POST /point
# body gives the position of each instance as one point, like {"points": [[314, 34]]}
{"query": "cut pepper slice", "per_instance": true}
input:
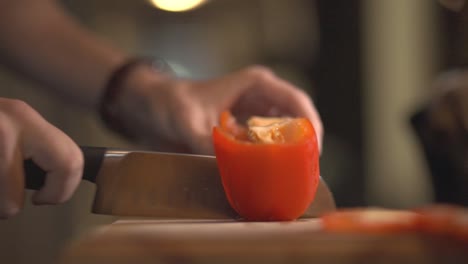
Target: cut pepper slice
{"points": [[268, 181], [444, 219], [370, 220]]}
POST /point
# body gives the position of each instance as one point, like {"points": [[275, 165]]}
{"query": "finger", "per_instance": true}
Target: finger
{"points": [[245, 94], [61, 158], [11, 170], [196, 126], [231, 87], [264, 93], [203, 145], [299, 104], [261, 87], [54, 152]]}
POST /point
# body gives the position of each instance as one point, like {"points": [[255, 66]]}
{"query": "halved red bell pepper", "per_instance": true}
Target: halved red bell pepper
{"points": [[263, 181]]}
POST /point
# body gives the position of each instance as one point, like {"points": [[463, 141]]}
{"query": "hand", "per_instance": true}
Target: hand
{"points": [[178, 115], [24, 134]]}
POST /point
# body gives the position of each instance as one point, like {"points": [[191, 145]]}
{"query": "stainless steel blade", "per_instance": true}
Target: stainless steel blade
{"points": [[167, 185]]}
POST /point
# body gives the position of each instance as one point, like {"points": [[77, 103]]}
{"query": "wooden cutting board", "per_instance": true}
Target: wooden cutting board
{"points": [[160, 241]]}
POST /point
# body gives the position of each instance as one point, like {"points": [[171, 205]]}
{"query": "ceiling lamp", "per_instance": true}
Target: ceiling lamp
{"points": [[177, 5]]}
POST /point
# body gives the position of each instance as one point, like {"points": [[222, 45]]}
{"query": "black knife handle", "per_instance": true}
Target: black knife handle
{"points": [[93, 157]]}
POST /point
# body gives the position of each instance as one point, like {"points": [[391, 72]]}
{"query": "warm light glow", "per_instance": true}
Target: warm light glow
{"points": [[177, 5]]}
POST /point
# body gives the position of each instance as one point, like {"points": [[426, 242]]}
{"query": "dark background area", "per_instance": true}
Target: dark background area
{"points": [[338, 74]]}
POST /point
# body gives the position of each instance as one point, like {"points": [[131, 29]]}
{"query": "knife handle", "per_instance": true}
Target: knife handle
{"points": [[93, 157]]}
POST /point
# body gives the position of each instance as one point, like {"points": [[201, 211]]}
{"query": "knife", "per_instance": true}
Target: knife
{"points": [[162, 185]]}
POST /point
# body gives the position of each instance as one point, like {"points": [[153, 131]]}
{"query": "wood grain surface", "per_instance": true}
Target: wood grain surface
{"points": [[164, 241]]}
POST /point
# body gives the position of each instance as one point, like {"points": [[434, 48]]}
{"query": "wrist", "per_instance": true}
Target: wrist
{"points": [[128, 91]]}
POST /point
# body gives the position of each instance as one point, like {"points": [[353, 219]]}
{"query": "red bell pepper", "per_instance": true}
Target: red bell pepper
{"points": [[268, 181]]}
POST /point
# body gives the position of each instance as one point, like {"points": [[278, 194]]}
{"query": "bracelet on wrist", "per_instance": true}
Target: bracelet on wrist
{"points": [[115, 85]]}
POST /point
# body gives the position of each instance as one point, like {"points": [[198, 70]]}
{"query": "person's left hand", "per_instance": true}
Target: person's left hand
{"points": [[170, 114]]}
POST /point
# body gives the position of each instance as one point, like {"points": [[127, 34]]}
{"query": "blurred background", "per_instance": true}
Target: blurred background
{"points": [[369, 65]]}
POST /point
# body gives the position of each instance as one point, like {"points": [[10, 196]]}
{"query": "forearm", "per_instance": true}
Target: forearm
{"points": [[40, 40]]}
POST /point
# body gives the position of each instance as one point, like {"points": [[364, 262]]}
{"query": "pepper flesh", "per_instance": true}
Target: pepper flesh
{"points": [[268, 182]]}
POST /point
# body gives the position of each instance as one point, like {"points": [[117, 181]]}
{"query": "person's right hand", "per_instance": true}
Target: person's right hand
{"points": [[24, 134]]}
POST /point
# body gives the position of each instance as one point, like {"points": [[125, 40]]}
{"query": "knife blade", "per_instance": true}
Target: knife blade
{"points": [[162, 185]]}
